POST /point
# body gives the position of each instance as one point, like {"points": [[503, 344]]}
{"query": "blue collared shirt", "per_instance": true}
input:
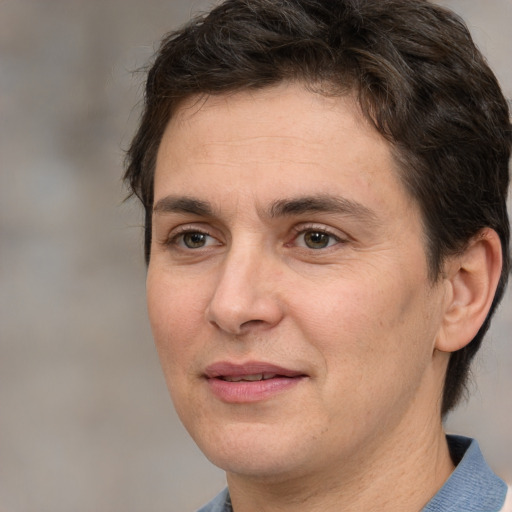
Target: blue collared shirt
{"points": [[472, 487]]}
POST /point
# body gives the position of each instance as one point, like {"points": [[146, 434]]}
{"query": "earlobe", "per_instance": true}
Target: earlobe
{"points": [[472, 278]]}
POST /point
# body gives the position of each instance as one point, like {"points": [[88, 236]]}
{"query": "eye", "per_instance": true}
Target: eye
{"points": [[194, 240], [316, 239]]}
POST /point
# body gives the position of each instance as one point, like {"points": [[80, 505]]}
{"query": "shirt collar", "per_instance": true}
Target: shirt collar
{"points": [[472, 487]]}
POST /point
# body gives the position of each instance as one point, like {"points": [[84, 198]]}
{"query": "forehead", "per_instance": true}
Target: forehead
{"points": [[294, 137], [287, 110]]}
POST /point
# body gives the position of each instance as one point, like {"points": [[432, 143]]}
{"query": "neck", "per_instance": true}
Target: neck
{"points": [[401, 473]]}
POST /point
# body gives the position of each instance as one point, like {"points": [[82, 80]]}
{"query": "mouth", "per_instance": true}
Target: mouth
{"points": [[250, 371], [250, 382], [249, 378]]}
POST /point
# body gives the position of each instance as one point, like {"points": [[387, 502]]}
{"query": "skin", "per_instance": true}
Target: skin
{"points": [[334, 287]]}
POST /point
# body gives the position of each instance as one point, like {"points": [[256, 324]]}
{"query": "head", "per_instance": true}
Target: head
{"points": [[417, 77]]}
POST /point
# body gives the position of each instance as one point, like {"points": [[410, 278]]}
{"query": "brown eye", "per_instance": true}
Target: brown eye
{"points": [[195, 240], [317, 239]]}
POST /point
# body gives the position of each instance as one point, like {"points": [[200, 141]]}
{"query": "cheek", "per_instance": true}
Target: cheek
{"points": [[366, 326], [375, 346], [175, 315]]}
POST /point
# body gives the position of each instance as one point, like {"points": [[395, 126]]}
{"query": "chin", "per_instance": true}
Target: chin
{"points": [[253, 450]]}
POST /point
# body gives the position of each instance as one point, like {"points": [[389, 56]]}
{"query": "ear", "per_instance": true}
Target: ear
{"points": [[471, 278]]}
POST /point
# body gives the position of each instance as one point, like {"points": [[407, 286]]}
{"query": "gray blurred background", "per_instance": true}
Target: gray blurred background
{"points": [[85, 420]]}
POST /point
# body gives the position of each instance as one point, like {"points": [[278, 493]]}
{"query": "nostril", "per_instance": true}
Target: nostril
{"points": [[251, 323], [241, 329]]}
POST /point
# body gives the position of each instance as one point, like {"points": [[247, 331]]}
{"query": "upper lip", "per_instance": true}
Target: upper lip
{"points": [[229, 369]]}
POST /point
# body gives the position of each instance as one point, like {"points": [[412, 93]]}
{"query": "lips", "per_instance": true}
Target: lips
{"points": [[251, 371], [250, 382]]}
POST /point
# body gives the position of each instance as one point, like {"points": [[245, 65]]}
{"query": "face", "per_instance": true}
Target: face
{"points": [[288, 289]]}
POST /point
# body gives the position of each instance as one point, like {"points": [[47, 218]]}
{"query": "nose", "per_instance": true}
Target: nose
{"points": [[246, 296]]}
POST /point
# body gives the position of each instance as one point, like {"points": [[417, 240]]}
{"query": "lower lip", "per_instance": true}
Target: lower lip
{"points": [[251, 391]]}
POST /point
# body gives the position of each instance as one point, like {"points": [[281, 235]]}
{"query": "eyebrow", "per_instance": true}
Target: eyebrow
{"points": [[180, 204], [324, 203]]}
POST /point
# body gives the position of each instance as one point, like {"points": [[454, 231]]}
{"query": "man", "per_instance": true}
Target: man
{"points": [[327, 238]]}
